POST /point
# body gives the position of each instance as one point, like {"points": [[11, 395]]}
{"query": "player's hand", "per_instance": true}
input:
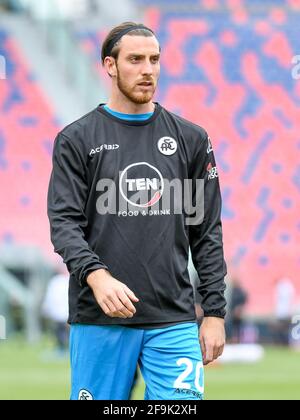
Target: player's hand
{"points": [[114, 297], [212, 338]]}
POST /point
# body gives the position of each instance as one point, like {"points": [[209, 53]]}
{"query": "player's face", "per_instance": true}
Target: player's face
{"points": [[138, 68]]}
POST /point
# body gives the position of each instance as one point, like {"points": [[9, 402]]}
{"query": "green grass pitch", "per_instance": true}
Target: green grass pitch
{"points": [[27, 372]]}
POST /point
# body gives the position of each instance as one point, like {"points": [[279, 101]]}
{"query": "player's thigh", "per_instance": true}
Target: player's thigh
{"points": [[171, 363], [103, 361]]}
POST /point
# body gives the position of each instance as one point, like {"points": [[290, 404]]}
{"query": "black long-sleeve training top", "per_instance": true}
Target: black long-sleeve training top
{"points": [[111, 205]]}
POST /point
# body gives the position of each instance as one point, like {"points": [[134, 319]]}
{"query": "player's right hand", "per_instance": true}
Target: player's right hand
{"points": [[114, 297]]}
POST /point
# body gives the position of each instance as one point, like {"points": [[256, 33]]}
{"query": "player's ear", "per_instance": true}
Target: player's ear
{"points": [[110, 66]]}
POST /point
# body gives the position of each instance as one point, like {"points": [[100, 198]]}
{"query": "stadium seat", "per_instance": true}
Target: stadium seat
{"points": [[27, 130]]}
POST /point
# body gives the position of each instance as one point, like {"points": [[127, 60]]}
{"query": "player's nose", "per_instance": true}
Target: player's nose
{"points": [[147, 68]]}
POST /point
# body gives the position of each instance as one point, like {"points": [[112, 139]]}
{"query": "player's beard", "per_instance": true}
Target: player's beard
{"points": [[128, 91]]}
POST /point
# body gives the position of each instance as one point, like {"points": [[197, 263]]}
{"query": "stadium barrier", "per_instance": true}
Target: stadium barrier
{"points": [[2, 328], [296, 328], [22, 288]]}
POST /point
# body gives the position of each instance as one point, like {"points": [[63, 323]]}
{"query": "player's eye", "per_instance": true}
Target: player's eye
{"points": [[134, 59], [155, 60]]}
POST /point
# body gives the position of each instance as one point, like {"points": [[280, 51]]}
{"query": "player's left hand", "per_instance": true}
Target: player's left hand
{"points": [[212, 338]]}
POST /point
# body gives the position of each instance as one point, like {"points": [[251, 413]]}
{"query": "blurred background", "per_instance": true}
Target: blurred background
{"points": [[232, 66]]}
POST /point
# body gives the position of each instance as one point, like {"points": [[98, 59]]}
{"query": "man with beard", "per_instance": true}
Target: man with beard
{"points": [[131, 300]]}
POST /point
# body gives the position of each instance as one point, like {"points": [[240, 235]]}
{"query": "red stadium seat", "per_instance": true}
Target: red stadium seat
{"points": [[27, 130]]}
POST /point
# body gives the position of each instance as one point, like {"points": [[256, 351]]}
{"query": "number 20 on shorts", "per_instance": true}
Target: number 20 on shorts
{"points": [[199, 377]]}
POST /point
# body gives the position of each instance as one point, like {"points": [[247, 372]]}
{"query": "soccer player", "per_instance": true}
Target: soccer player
{"points": [[125, 242]]}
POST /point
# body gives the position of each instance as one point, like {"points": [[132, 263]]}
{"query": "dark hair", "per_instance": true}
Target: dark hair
{"points": [[114, 49]]}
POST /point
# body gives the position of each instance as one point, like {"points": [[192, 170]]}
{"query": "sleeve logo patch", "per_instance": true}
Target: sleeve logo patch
{"points": [[212, 172], [209, 147]]}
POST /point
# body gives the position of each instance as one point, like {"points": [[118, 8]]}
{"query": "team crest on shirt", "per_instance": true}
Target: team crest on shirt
{"points": [[85, 395], [167, 146]]}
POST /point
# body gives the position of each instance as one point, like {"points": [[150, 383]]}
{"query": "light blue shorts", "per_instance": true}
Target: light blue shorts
{"points": [[104, 360]]}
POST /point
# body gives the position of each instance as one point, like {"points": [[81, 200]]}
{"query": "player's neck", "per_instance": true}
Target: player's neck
{"points": [[125, 106]]}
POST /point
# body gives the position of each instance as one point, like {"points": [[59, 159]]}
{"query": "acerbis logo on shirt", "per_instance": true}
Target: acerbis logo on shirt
{"points": [[103, 147]]}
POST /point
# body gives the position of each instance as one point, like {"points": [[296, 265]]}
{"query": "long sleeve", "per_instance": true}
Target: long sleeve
{"points": [[67, 196], [206, 241]]}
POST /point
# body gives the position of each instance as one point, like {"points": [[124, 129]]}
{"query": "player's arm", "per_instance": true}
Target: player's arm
{"points": [[67, 195], [207, 253]]}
